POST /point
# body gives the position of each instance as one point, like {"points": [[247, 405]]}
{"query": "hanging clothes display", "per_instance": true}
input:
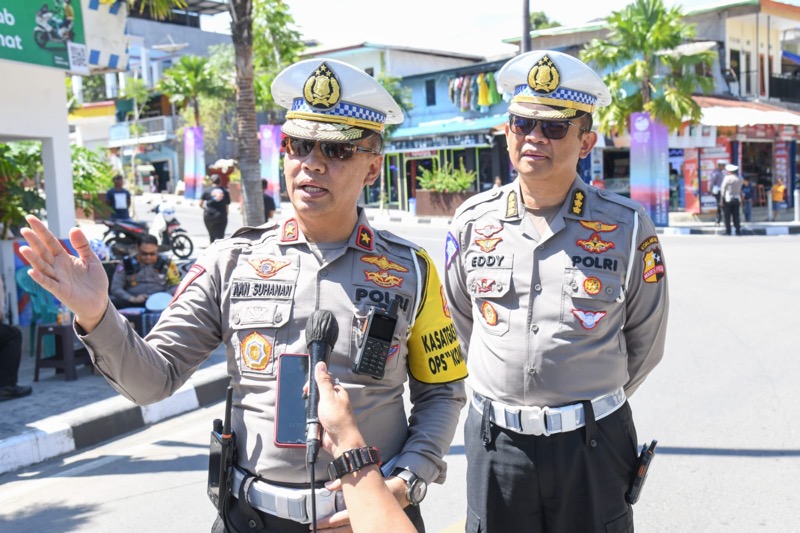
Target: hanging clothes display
{"points": [[474, 92]]}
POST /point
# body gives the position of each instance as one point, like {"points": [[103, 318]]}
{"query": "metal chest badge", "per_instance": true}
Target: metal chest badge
{"points": [[322, 89]]}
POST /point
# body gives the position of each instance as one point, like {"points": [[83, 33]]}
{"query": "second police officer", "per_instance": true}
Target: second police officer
{"points": [[255, 292], [559, 294]]}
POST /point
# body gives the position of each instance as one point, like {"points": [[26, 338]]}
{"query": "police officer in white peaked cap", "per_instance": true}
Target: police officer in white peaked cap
{"points": [[256, 291], [559, 295]]}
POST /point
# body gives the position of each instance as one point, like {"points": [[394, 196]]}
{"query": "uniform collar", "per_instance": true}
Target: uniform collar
{"points": [[513, 207], [362, 238]]}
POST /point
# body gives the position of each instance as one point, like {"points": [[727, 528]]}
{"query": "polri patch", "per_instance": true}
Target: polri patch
{"points": [[256, 351], [451, 248]]}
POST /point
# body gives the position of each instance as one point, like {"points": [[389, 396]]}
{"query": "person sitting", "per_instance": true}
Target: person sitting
{"points": [[10, 356], [137, 278]]}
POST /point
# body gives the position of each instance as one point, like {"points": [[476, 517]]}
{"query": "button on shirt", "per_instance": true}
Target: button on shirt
{"points": [[255, 292], [554, 318]]}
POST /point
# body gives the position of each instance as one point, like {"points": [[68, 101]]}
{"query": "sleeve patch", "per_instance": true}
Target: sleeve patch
{"points": [[194, 272], [451, 248]]}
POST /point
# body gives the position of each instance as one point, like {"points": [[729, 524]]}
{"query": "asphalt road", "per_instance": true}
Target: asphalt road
{"points": [[722, 405]]}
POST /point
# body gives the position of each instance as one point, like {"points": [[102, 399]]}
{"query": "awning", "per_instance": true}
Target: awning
{"points": [[450, 126], [791, 56], [688, 49], [724, 112]]}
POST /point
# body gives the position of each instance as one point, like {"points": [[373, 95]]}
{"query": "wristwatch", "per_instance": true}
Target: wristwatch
{"points": [[416, 487], [353, 460]]}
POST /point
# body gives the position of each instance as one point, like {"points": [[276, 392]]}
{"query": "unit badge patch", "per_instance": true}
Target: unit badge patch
{"points": [[445, 307], [488, 245], [598, 226], [364, 239], [451, 248], [383, 263], [594, 244], [383, 279], [256, 351], [489, 314], [266, 268], [592, 285], [647, 243], [653, 266], [589, 319]]}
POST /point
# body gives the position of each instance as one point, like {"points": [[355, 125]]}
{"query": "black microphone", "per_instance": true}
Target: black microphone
{"points": [[321, 332]]}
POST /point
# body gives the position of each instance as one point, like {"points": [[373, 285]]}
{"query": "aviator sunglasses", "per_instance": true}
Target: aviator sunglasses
{"points": [[551, 129], [341, 151]]}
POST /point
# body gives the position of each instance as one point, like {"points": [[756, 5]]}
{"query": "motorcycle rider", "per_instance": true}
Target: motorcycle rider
{"points": [[138, 277], [165, 213], [67, 19]]}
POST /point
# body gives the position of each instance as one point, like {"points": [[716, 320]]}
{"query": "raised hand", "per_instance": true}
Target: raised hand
{"points": [[80, 282]]}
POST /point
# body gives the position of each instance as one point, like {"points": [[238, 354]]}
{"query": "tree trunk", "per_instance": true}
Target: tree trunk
{"points": [[242, 35]]}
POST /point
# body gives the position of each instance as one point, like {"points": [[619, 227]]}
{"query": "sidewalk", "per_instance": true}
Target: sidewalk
{"points": [[61, 417]]}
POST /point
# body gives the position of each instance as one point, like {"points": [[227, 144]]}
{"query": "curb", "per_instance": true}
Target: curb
{"points": [[107, 419]]}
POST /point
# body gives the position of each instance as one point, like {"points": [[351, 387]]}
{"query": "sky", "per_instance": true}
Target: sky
{"points": [[467, 26]]}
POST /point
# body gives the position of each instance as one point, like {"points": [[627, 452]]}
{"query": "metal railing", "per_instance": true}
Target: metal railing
{"points": [[147, 127]]}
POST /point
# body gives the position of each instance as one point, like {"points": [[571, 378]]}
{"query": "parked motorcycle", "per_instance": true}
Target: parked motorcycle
{"points": [[49, 28], [122, 235]]}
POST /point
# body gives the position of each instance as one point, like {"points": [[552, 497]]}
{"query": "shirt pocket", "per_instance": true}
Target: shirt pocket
{"points": [[260, 314], [490, 292], [587, 301]]}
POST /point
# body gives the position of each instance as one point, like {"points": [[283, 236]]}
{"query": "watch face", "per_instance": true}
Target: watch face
{"points": [[417, 491]]}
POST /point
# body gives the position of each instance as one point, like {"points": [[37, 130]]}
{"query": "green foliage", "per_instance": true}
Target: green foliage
{"points": [[645, 74], [540, 21], [447, 179], [401, 95], [91, 176], [190, 78], [19, 164], [94, 88], [277, 43], [159, 9]]}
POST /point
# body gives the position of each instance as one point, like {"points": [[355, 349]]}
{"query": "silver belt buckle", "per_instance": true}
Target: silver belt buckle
{"points": [[533, 421]]}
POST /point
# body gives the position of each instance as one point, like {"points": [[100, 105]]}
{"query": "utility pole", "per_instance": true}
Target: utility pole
{"points": [[526, 27]]}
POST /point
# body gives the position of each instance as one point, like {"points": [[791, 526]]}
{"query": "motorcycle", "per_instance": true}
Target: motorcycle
{"points": [[49, 28], [122, 235]]}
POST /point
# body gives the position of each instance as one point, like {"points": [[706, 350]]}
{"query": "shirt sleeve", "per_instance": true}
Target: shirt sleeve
{"points": [[647, 302], [456, 289], [118, 283]]}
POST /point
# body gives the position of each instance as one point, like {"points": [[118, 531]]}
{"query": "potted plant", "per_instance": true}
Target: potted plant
{"points": [[443, 190]]}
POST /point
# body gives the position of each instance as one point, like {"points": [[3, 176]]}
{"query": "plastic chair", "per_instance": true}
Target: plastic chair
{"points": [[43, 306]]}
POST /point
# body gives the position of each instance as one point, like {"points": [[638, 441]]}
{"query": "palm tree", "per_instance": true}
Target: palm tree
{"points": [[189, 79], [645, 71], [159, 9]]}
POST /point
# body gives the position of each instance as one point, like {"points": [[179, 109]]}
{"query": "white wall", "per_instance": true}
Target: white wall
{"points": [[33, 105]]}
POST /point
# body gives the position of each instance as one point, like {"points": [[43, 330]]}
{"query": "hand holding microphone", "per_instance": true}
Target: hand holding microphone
{"points": [[321, 333]]}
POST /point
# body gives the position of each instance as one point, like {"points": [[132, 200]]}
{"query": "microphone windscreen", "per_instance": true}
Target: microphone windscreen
{"points": [[322, 326]]}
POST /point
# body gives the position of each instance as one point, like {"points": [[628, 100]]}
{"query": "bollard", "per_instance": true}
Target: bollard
{"points": [[797, 205]]}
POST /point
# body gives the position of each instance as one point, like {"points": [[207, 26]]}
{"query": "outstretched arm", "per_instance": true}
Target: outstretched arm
{"points": [[80, 282]]}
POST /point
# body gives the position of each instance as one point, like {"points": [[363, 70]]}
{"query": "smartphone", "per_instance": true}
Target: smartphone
{"points": [[290, 416], [374, 350]]}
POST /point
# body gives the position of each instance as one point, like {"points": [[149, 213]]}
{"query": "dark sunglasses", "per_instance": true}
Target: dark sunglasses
{"points": [[148, 254], [303, 147], [552, 129]]}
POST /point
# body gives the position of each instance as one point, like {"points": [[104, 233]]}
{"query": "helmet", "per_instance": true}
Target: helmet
{"points": [[100, 249], [167, 210]]}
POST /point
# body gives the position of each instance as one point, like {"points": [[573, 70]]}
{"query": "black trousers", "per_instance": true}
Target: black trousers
{"points": [[10, 354], [718, 198], [215, 225], [731, 209], [273, 524], [574, 481]]}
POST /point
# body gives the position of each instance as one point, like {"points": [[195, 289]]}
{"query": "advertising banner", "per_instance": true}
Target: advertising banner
{"points": [[691, 180], [194, 163], [270, 137], [649, 167], [49, 33]]}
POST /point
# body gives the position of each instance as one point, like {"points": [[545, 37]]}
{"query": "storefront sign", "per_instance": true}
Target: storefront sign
{"points": [[789, 133], [48, 33], [649, 169], [758, 131], [781, 151], [444, 141]]}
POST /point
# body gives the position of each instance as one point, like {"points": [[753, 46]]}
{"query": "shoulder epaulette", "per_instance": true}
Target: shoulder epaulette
{"points": [[391, 237], [478, 199], [619, 199]]}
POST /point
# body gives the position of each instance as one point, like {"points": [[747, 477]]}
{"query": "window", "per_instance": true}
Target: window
{"points": [[430, 92]]}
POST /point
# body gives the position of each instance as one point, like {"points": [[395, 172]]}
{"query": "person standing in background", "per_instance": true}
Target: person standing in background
{"points": [[731, 192], [269, 202], [747, 199], [215, 204], [714, 185], [118, 198], [778, 198]]}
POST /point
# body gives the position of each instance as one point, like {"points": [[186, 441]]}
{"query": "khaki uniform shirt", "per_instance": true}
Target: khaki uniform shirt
{"points": [[569, 315], [144, 279], [254, 292], [731, 187]]}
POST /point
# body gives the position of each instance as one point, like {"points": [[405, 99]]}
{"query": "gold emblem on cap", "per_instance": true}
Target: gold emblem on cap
{"points": [[544, 76], [322, 88]]}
